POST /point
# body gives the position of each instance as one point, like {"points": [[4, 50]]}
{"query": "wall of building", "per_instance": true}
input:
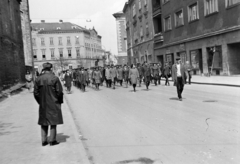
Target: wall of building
{"points": [[26, 32], [12, 64], [140, 31]]}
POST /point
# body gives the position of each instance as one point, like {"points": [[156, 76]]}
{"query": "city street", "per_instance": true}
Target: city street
{"points": [[120, 126]]}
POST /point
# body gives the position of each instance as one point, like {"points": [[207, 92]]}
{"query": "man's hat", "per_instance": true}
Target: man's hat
{"points": [[178, 58], [47, 65]]}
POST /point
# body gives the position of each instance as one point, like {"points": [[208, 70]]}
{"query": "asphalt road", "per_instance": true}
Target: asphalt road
{"points": [[151, 127]]}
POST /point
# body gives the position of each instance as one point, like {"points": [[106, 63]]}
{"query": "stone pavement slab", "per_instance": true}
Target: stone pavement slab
{"points": [[20, 139]]}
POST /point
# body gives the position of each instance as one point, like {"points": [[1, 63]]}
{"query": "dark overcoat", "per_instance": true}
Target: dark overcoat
{"points": [[125, 74], [48, 93], [134, 75], [83, 77], [147, 73], [120, 74], [68, 80]]}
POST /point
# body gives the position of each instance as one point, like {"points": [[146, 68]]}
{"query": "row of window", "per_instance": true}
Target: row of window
{"points": [[92, 45], [210, 6], [139, 6], [60, 42]]}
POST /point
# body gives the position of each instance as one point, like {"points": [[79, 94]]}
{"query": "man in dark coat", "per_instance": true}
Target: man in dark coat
{"points": [[68, 81], [155, 73], [178, 76], [83, 78], [147, 74], [48, 93]]}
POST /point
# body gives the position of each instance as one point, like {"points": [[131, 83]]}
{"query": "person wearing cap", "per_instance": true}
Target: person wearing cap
{"points": [[178, 76], [48, 93]]}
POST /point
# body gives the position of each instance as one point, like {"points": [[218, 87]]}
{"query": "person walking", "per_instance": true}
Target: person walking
{"points": [[68, 81], [48, 93], [147, 75], [140, 71], [126, 75], [178, 76], [167, 73], [97, 76], [83, 78], [159, 65], [108, 77], [29, 80], [113, 72], [120, 75], [189, 69], [134, 76], [155, 73]]}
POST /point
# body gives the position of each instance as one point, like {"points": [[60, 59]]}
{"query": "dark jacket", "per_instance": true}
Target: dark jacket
{"points": [[97, 76], [68, 80], [147, 73], [83, 77], [48, 93], [155, 71], [125, 74], [167, 71]]}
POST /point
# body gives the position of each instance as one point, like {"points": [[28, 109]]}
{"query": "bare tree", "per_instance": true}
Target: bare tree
{"points": [[62, 62]]}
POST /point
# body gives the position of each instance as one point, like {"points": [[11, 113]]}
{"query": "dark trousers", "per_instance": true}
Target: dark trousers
{"points": [[69, 88], [167, 81], [189, 77], [109, 83], [159, 79], [83, 87], [180, 86], [134, 87], [53, 133]]}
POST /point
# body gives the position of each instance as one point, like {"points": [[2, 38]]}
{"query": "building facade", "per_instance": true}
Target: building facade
{"points": [[12, 66], [121, 38], [140, 31], [26, 33], [204, 32], [66, 45]]}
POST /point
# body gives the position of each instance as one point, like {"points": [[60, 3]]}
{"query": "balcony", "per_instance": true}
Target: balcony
{"points": [[158, 38], [156, 10]]}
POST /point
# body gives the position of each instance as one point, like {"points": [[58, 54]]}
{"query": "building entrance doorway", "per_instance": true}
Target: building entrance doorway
{"points": [[160, 59], [233, 59]]}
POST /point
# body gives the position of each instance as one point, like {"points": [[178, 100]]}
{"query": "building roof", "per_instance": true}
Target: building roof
{"points": [[125, 7], [57, 27], [118, 14]]}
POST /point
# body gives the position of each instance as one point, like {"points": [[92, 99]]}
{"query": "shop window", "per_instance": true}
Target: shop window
{"points": [[194, 59], [214, 57], [182, 56]]}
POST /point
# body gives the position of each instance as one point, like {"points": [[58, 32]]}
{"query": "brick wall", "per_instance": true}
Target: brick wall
{"points": [[12, 64]]}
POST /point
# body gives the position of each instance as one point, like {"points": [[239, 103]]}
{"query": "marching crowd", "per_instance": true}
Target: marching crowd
{"points": [[48, 90], [128, 75]]}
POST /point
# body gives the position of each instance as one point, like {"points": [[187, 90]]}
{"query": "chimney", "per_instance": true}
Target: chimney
{"points": [[42, 21], [60, 21]]}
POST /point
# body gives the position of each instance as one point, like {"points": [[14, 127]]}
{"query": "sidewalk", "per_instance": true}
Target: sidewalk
{"points": [[232, 81], [20, 138]]}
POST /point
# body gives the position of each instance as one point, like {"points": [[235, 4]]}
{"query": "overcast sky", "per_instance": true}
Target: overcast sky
{"points": [[78, 11]]}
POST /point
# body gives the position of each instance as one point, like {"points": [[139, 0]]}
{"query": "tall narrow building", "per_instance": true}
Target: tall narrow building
{"points": [[121, 37]]}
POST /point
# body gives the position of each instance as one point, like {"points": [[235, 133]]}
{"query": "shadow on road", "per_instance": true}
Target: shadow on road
{"points": [[62, 138], [140, 160], [175, 98]]}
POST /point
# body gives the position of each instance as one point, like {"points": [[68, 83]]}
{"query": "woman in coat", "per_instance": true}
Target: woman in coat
{"points": [[134, 76], [97, 76], [68, 81]]}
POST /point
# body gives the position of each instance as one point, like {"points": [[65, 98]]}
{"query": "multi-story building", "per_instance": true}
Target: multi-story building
{"points": [[26, 33], [65, 44], [12, 66], [140, 30], [121, 37], [204, 32]]}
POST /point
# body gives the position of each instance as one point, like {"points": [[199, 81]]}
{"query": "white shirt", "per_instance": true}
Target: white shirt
{"points": [[178, 70]]}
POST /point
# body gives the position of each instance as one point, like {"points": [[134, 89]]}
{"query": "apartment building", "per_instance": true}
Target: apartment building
{"points": [[140, 30], [121, 37], [204, 32], [65, 44]]}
